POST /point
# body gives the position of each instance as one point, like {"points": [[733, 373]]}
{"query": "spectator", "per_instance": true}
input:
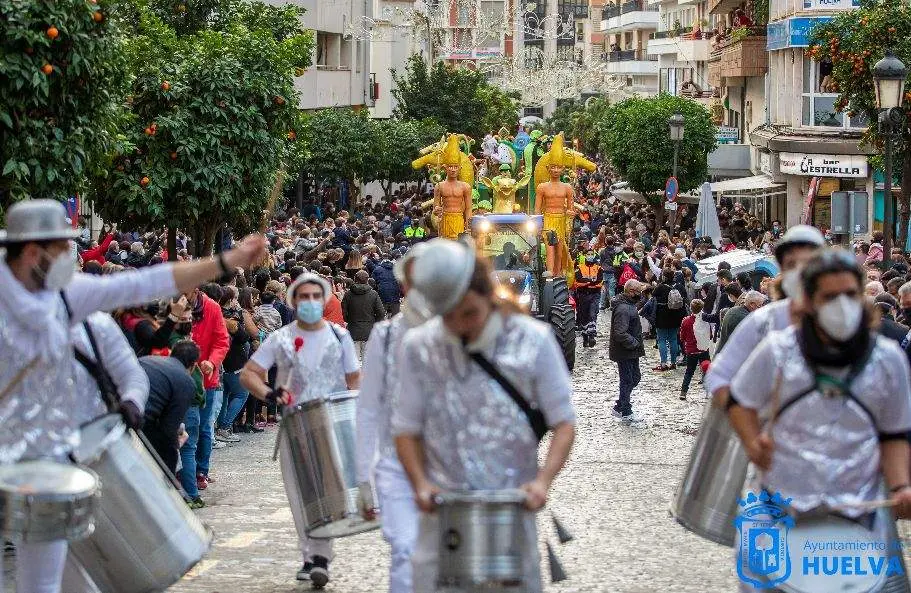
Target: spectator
{"points": [[626, 347], [362, 308], [752, 300], [695, 336], [388, 287], [669, 313]]}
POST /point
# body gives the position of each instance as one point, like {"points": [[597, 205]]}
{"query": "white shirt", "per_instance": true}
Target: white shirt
{"points": [[310, 353], [748, 334]]}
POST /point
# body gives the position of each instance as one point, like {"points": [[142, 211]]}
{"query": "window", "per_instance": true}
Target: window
{"points": [[818, 99]]}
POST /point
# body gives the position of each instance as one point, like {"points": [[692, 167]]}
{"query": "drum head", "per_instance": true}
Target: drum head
{"points": [[512, 496], [46, 478], [831, 547], [342, 395], [96, 437]]}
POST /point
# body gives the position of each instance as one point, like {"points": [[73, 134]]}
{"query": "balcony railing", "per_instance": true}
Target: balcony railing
{"points": [[733, 36], [628, 55], [637, 5], [610, 11], [683, 33]]}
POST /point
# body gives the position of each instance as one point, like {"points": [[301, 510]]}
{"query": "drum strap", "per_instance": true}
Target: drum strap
{"points": [[95, 368], [535, 417]]}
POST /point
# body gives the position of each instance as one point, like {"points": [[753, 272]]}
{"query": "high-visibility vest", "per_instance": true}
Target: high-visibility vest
{"points": [[620, 258], [414, 232], [589, 271]]}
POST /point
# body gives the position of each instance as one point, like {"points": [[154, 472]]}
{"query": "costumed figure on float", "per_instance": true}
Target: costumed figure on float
{"points": [[452, 203]]}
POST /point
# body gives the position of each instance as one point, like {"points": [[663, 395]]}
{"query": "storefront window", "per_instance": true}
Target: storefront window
{"points": [[819, 98]]}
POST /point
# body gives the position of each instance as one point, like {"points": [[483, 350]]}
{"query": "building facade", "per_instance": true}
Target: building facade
{"points": [[627, 27], [340, 71], [682, 45]]}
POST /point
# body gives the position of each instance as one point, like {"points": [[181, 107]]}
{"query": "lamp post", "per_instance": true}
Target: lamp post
{"points": [[889, 81], [675, 124]]}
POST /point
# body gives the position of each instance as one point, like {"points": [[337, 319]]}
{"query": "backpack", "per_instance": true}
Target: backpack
{"points": [[674, 299], [626, 275]]}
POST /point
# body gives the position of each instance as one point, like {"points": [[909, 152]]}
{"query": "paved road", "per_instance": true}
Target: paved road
{"points": [[613, 495]]}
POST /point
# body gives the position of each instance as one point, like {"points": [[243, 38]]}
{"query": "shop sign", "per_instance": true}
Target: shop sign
{"points": [[823, 165], [830, 4], [792, 32], [727, 135]]}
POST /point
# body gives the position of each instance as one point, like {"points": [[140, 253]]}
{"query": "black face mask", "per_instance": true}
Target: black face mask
{"points": [[183, 328], [906, 313]]}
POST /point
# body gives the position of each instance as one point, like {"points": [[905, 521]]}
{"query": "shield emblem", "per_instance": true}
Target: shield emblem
{"points": [[762, 558]]}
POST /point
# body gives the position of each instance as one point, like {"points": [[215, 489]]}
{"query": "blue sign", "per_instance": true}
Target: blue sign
{"points": [[792, 32], [670, 189], [763, 560]]}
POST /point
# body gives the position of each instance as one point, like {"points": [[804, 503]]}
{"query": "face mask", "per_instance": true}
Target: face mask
{"points": [[310, 311], [840, 318], [59, 272], [640, 253], [790, 284]]}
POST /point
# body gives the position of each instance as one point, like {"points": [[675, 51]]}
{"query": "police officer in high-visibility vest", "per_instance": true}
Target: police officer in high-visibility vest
{"points": [[589, 280], [414, 231]]}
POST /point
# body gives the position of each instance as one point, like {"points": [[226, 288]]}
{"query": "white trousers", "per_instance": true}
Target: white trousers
{"points": [[309, 547], [400, 521], [425, 560]]}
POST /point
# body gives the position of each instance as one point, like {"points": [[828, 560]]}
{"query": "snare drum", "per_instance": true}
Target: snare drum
{"points": [[319, 452], [42, 501]]}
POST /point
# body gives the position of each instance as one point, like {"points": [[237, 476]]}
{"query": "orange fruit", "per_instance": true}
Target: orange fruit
{"points": [[292, 135], [149, 131], [279, 100], [173, 156], [47, 69], [144, 181], [166, 86], [891, 29], [52, 32], [97, 16]]}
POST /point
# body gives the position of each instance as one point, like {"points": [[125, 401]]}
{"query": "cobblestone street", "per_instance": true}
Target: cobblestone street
{"points": [[613, 495]]}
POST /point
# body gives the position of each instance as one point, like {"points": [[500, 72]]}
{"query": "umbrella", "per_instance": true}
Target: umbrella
{"points": [[707, 216]]}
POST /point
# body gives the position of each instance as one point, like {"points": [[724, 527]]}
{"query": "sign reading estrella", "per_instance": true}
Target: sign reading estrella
{"points": [[792, 32], [830, 4]]}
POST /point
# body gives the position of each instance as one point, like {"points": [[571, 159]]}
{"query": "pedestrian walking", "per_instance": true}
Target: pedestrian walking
{"points": [[626, 347], [589, 281], [695, 338], [387, 287], [749, 302], [362, 308], [670, 309]]}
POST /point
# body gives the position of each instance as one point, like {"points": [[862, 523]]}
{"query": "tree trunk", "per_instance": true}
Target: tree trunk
{"points": [[659, 215], [387, 188], [172, 243], [904, 207]]}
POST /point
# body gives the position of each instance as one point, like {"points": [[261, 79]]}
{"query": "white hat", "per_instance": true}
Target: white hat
{"points": [[801, 235], [442, 273], [308, 278], [401, 263], [37, 220]]}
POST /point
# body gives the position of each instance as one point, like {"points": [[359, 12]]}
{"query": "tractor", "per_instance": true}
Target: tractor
{"points": [[512, 242]]}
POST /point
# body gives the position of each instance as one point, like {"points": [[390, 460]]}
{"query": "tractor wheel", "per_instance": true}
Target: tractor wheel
{"points": [[563, 321], [555, 293]]}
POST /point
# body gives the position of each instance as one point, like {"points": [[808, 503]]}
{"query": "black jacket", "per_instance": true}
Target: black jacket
{"points": [[386, 284], [171, 391], [625, 330], [361, 308], [665, 317]]}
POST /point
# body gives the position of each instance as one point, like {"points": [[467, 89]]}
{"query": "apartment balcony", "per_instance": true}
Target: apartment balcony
{"points": [[631, 16], [740, 57], [323, 86], [687, 45], [631, 61]]}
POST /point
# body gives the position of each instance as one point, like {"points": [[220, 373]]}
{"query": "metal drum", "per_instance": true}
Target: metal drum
{"points": [[706, 499], [320, 438], [42, 501], [146, 538], [482, 540]]}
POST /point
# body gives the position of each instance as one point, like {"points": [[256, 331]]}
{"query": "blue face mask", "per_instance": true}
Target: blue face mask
{"points": [[310, 311]]}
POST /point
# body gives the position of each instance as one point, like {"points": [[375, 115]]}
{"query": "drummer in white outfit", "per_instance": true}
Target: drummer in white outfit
{"points": [[842, 416], [794, 249], [376, 456], [455, 428], [325, 362], [37, 376]]}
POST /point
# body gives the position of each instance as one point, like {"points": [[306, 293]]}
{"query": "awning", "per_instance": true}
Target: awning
{"points": [[723, 6], [628, 195], [745, 184]]}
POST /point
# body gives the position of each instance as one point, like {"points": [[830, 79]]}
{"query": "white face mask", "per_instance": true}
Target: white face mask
{"points": [[841, 317], [59, 272], [790, 284]]}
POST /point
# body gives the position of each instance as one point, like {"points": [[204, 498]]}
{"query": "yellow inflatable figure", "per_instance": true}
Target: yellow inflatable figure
{"points": [[504, 192], [452, 196], [554, 199]]}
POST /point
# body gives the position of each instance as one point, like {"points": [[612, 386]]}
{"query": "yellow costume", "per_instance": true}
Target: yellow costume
{"points": [[504, 192], [561, 224], [452, 222]]}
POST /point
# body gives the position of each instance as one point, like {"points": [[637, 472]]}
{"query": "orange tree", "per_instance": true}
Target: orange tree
{"points": [[854, 41], [62, 78], [213, 116]]}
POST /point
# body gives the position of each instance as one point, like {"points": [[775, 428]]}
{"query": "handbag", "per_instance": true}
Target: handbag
{"points": [[534, 416]]}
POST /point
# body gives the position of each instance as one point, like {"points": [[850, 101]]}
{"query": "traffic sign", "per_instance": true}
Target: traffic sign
{"points": [[670, 189]]}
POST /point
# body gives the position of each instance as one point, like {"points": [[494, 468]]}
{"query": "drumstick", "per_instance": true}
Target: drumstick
{"points": [[18, 377], [869, 505]]}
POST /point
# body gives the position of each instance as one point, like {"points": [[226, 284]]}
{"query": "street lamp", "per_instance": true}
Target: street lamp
{"points": [[889, 81], [675, 123]]}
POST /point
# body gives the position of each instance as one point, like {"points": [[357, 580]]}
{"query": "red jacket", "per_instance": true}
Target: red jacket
{"points": [[97, 254], [688, 336], [211, 335], [333, 311]]}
